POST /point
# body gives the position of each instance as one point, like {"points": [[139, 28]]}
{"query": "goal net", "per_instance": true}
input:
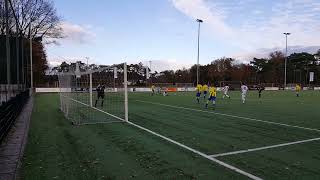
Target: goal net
{"points": [[94, 96]]}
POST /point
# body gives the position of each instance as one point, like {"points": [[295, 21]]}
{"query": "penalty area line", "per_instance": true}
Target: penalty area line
{"points": [[228, 166], [229, 115], [263, 148]]}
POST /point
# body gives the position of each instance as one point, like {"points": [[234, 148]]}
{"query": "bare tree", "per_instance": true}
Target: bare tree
{"points": [[40, 14]]}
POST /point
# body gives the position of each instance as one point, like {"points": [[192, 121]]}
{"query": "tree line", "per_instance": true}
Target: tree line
{"points": [[259, 70], [21, 20], [38, 19]]}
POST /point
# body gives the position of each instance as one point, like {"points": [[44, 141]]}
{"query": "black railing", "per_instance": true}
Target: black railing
{"points": [[10, 110]]}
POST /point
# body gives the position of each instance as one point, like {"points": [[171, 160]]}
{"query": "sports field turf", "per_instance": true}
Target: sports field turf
{"points": [[58, 150]]}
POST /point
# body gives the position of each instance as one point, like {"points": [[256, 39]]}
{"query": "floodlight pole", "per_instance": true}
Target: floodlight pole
{"points": [[7, 43], [199, 21], [125, 79], [285, 63], [31, 60]]}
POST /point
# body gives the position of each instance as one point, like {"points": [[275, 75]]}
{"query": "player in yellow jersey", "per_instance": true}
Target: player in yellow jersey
{"points": [[212, 96], [153, 88], [198, 89], [205, 90], [298, 89]]}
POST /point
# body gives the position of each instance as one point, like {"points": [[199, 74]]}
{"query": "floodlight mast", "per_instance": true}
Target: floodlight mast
{"points": [[199, 22], [7, 43], [31, 60], [285, 63]]}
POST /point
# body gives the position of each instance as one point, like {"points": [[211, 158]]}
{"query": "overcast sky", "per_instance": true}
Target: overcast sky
{"points": [[165, 31]]}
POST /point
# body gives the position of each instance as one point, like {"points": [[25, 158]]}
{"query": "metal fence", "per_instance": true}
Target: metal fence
{"points": [[15, 75]]}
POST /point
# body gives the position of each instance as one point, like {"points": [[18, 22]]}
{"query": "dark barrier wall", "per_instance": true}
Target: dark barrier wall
{"points": [[19, 67], [10, 110]]}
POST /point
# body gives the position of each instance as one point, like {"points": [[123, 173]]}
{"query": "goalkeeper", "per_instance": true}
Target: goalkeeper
{"points": [[100, 92], [260, 89]]}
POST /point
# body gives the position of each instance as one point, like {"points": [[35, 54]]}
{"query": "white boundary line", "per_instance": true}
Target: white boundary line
{"points": [[228, 115], [263, 148], [199, 153], [251, 176], [101, 122]]}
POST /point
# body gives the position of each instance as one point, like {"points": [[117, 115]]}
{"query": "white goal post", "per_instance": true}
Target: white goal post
{"points": [[90, 96]]}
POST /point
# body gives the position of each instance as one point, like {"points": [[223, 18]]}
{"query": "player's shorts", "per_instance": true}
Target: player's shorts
{"points": [[205, 92], [198, 94], [100, 96], [212, 98]]}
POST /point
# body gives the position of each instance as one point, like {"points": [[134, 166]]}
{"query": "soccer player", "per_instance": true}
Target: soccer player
{"points": [[260, 88], [205, 90], [225, 91], [100, 91], [212, 96], [244, 90], [165, 91], [153, 88], [298, 89], [198, 89]]}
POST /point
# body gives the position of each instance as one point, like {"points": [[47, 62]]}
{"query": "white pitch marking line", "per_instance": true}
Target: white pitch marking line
{"points": [[240, 117], [93, 123], [199, 153], [251, 176], [263, 148]]}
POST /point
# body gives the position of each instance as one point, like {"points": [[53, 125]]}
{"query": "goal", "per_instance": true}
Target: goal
{"points": [[90, 96]]}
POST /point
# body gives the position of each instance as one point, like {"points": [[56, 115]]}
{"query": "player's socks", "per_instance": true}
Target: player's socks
{"points": [[102, 103], [95, 104], [198, 100], [214, 105]]}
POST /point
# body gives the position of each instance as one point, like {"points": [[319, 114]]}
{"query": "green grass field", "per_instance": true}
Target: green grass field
{"points": [[58, 150]]}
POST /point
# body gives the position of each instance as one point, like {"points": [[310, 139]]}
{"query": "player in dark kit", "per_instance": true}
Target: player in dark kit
{"points": [[260, 89], [100, 91]]}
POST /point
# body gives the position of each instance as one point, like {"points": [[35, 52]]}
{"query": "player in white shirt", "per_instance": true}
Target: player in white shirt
{"points": [[244, 90], [225, 91]]}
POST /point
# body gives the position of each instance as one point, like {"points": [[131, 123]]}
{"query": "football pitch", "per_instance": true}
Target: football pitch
{"points": [[275, 137]]}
